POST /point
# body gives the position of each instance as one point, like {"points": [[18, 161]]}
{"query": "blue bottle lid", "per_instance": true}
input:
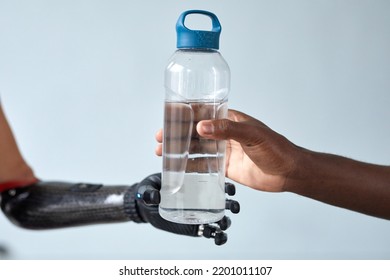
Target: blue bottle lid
{"points": [[198, 39]]}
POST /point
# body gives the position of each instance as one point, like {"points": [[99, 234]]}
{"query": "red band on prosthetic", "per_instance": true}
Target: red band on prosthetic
{"points": [[16, 184]]}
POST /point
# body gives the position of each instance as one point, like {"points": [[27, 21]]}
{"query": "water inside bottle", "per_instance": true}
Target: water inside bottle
{"points": [[193, 178]]}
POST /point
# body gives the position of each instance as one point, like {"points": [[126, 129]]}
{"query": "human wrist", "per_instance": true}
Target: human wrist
{"points": [[303, 171], [17, 172]]}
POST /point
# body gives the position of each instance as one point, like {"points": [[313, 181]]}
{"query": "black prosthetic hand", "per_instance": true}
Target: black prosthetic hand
{"points": [[48, 205], [148, 198]]}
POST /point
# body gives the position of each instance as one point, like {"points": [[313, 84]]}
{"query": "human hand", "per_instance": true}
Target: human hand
{"points": [[256, 156], [148, 198]]}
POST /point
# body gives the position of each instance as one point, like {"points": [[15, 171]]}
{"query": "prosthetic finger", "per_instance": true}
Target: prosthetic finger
{"points": [[216, 233], [149, 195], [148, 190], [232, 205], [224, 223], [230, 189]]}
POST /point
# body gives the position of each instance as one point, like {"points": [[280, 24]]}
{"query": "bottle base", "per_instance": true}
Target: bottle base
{"points": [[192, 216]]}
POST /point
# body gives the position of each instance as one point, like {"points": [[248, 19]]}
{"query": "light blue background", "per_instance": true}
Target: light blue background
{"points": [[82, 85]]}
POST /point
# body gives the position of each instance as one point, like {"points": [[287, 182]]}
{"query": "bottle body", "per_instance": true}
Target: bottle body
{"points": [[197, 84]]}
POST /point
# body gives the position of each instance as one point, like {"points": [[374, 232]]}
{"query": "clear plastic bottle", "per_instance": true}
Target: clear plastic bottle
{"points": [[197, 83]]}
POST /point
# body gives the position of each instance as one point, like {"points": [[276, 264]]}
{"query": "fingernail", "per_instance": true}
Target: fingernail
{"points": [[207, 128]]}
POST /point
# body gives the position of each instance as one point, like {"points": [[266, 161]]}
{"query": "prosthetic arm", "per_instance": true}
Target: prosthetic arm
{"points": [[48, 205]]}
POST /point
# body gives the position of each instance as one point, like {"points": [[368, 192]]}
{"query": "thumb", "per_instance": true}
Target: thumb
{"points": [[224, 129]]}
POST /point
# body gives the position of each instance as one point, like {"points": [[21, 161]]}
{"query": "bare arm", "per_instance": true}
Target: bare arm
{"points": [[13, 167], [342, 182]]}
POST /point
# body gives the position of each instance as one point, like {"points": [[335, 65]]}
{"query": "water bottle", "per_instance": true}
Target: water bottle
{"points": [[197, 84]]}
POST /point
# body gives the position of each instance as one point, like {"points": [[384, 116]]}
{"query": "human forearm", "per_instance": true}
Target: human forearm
{"points": [[342, 182], [12, 165]]}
